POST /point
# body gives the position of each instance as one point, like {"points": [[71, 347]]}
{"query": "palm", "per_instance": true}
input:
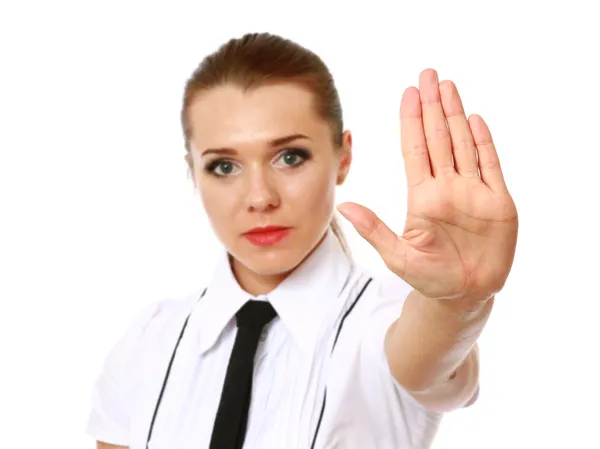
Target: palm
{"points": [[461, 227], [459, 238]]}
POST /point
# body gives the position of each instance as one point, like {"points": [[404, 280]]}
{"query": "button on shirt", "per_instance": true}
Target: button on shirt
{"points": [[321, 378]]}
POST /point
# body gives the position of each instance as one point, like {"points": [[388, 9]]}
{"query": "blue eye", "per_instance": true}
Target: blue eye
{"points": [[294, 157], [290, 158], [226, 167], [221, 168]]}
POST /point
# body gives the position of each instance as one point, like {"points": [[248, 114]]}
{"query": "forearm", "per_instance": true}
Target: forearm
{"points": [[434, 340]]}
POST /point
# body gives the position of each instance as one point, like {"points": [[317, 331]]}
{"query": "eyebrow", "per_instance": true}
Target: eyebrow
{"points": [[272, 143]]}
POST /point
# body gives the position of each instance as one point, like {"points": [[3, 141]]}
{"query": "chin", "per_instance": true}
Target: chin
{"points": [[278, 259], [271, 262]]}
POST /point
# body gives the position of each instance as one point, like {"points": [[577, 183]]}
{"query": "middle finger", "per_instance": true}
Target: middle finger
{"points": [[434, 124]]}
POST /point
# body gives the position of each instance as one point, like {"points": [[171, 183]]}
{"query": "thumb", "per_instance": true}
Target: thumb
{"points": [[371, 228]]}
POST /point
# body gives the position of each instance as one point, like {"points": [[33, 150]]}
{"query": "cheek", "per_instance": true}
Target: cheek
{"points": [[218, 201], [311, 193]]}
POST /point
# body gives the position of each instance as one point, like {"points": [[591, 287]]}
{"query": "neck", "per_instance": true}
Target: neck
{"points": [[255, 283]]}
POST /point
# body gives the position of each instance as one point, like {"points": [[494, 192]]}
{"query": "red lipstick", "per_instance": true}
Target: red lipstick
{"points": [[267, 235]]}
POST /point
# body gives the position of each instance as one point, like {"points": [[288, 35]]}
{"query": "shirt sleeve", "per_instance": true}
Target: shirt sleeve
{"points": [[422, 424], [112, 393]]}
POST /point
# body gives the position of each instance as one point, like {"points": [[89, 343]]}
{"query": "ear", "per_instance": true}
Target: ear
{"points": [[345, 157], [190, 163]]}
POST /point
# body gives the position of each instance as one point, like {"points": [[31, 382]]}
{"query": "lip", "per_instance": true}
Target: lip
{"points": [[267, 235], [264, 229]]}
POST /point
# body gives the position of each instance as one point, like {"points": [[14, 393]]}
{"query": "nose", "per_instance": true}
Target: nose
{"points": [[261, 193]]}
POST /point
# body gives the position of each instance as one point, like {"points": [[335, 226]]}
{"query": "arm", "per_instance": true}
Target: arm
{"points": [[457, 246], [432, 351], [102, 445]]}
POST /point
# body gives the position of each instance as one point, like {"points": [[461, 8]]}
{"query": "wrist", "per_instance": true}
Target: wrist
{"points": [[466, 305]]}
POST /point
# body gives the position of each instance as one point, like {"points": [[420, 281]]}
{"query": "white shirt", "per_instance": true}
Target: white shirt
{"points": [[326, 300]]}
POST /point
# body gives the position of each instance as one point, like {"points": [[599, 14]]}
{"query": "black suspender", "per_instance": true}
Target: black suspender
{"points": [[339, 329], [168, 373]]}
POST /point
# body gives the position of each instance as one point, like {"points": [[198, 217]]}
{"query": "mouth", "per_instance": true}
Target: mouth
{"points": [[267, 235]]}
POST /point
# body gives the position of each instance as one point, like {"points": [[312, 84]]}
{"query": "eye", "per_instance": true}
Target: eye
{"points": [[293, 157], [221, 168]]}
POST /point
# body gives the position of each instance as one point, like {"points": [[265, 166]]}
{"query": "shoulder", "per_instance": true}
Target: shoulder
{"points": [[383, 296], [115, 386], [150, 323], [391, 287], [374, 301], [384, 293], [157, 317]]}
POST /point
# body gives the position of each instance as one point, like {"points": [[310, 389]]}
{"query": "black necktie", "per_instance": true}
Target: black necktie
{"points": [[229, 430]]}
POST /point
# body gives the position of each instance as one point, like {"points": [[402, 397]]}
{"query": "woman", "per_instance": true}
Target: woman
{"points": [[292, 344]]}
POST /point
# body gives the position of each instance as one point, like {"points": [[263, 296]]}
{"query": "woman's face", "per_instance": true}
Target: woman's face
{"points": [[264, 158]]}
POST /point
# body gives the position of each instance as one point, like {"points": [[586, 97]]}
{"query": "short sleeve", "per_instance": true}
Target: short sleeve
{"points": [[112, 394], [421, 423]]}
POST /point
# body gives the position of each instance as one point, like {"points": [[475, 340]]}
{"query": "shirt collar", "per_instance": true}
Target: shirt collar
{"points": [[305, 301]]}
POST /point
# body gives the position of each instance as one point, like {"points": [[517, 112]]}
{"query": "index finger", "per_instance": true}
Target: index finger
{"points": [[414, 145]]}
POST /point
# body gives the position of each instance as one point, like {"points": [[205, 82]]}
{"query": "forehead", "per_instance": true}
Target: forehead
{"points": [[228, 116]]}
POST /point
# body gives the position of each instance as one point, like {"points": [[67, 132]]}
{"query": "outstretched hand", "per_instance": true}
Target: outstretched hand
{"points": [[461, 227]]}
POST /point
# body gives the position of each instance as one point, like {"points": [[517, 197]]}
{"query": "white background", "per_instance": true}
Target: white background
{"points": [[98, 217]]}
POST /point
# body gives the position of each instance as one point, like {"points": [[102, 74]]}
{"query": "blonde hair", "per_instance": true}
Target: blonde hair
{"points": [[259, 58]]}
